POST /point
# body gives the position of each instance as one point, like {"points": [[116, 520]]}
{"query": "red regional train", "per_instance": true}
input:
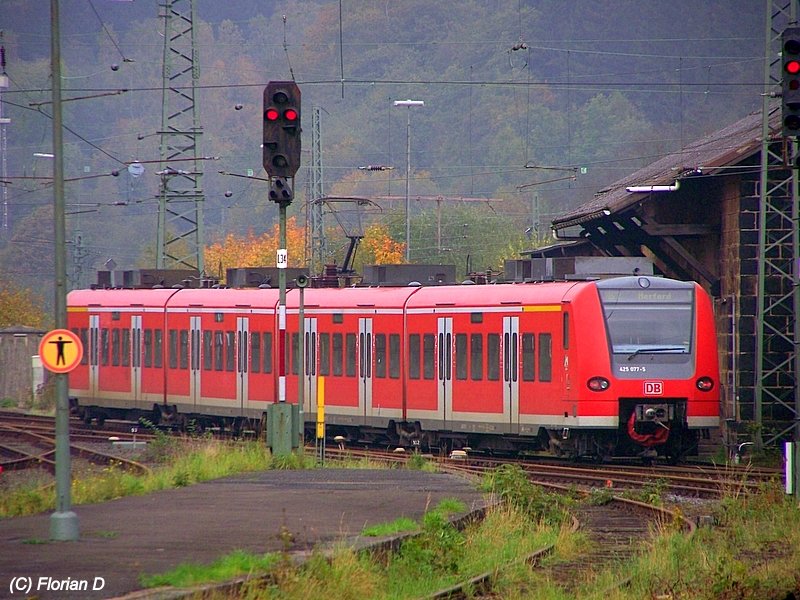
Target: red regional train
{"points": [[624, 366]]}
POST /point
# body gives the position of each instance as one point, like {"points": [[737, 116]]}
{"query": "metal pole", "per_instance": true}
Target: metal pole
{"points": [[63, 522], [408, 104], [283, 355], [408, 180], [301, 384]]}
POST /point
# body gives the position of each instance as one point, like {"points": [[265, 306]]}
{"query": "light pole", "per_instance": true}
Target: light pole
{"points": [[408, 104]]}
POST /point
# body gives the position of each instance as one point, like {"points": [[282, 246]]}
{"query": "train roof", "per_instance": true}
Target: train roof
{"points": [[553, 292], [119, 297], [334, 298]]}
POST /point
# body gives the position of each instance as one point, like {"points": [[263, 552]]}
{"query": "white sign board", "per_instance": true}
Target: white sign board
{"points": [[283, 258]]}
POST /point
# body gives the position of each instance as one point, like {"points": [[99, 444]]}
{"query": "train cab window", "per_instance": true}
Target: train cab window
{"points": [[295, 353], [173, 349], [394, 355], [428, 352], [267, 345], [350, 354], [255, 352], [115, 347], [413, 356], [528, 357], [338, 355], [566, 331], [324, 354], [104, 347], [380, 355], [158, 348], [545, 357], [493, 357], [230, 350], [126, 348], [184, 355], [219, 350], [476, 356], [461, 356], [148, 347], [208, 350]]}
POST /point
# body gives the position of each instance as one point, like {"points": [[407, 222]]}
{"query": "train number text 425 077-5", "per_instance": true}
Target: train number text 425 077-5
{"points": [[632, 369]]}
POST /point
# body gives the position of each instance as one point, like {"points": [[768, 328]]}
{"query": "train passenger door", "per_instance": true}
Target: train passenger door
{"points": [[94, 354], [195, 337], [511, 373], [365, 366], [444, 368], [242, 361], [136, 359], [310, 350]]}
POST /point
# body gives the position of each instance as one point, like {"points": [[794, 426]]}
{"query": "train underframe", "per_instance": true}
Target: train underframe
{"points": [[646, 431]]}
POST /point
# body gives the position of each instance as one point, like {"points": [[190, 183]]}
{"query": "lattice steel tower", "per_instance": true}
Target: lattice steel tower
{"points": [[316, 223], [180, 209], [777, 369]]}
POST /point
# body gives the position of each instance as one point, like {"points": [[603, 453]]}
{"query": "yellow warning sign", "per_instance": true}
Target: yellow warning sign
{"points": [[60, 350]]}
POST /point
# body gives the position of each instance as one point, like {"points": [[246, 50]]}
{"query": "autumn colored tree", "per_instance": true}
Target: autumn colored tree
{"points": [[255, 250], [20, 307], [378, 247]]}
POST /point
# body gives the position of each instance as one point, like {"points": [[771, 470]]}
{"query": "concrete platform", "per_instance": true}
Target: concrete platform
{"points": [[123, 539]]}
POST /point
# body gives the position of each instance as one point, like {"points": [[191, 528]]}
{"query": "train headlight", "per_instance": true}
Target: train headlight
{"points": [[598, 384], [705, 384]]}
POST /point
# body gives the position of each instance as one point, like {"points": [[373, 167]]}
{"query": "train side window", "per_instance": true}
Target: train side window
{"points": [[115, 347], [566, 331], [267, 339], [83, 333], [219, 350], [545, 357], [255, 352], [394, 355], [380, 355], [493, 356], [350, 354], [184, 348], [148, 347], [461, 356], [528, 357], [295, 353], [476, 356], [428, 352], [104, 347], [324, 353], [413, 356], [230, 350], [173, 349], [208, 350], [158, 348], [126, 348], [338, 355]]}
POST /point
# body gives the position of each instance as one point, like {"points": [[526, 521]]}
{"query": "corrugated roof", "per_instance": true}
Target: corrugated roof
{"points": [[723, 148]]}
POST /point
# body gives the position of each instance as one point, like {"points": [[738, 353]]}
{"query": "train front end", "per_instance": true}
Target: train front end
{"points": [[664, 370]]}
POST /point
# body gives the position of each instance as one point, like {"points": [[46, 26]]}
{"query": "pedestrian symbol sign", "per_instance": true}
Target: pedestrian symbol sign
{"points": [[60, 350]]}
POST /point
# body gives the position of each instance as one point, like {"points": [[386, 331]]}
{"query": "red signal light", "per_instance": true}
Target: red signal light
{"points": [[792, 67], [271, 114], [290, 114]]}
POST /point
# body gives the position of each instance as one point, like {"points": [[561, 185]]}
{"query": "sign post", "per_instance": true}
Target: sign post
{"points": [[61, 351]]}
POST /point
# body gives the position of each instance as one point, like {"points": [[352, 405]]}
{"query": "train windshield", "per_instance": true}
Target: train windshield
{"points": [[649, 321]]}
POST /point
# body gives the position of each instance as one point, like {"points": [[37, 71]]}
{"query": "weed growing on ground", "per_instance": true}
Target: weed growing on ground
{"points": [[510, 484]]}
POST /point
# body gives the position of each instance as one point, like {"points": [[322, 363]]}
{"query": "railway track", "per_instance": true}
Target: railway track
{"points": [[615, 532], [29, 442]]}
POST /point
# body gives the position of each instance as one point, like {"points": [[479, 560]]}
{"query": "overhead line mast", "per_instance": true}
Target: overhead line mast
{"points": [[180, 209]]}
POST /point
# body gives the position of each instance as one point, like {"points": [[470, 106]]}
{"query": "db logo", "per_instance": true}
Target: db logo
{"points": [[653, 388]]}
